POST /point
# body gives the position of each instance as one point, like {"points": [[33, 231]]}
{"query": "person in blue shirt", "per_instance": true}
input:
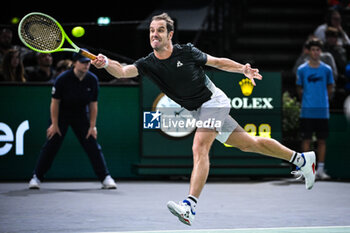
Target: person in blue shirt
{"points": [[315, 84], [73, 103]]}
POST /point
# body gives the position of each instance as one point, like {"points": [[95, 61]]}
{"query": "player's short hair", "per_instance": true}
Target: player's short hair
{"points": [[167, 19], [314, 42]]}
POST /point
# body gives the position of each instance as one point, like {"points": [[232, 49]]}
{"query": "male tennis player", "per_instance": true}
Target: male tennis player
{"points": [[178, 72]]}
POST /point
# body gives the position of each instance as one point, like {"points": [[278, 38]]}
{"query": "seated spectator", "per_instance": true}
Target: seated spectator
{"points": [[6, 36], [43, 72], [12, 67], [347, 79], [5, 42], [339, 5], [62, 66], [333, 19], [338, 52]]}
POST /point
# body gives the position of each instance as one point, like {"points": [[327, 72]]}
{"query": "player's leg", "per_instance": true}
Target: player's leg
{"points": [[267, 146], [185, 210], [202, 142], [203, 139]]}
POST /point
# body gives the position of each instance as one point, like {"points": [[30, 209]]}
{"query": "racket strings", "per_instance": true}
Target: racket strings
{"points": [[41, 33]]}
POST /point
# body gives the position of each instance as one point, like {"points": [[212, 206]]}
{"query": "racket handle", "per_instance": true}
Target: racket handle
{"points": [[87, 54]]}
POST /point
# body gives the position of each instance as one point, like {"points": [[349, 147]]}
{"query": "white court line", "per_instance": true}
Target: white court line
{"points": [[239, 229]]}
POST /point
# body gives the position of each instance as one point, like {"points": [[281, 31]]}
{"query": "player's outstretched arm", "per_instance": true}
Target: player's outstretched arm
{"points": [[232, 66], [115, 68]]}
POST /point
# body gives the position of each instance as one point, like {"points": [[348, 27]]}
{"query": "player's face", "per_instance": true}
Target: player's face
{"points": [[158, 34], [315, 52]]}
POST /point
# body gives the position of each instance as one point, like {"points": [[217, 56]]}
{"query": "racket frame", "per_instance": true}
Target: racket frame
{"points": [[75, 48]]}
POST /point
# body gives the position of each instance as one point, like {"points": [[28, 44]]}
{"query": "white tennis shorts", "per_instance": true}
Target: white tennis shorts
{"points": [[215, 113]]}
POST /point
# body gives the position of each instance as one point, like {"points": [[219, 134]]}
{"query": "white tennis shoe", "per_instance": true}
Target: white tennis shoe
{"points": [[34, 183], [308, 170], [183, 211], [109, 183]]}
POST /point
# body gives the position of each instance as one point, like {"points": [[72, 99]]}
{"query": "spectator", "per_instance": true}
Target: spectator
{"points": [[339, 5], [338, 52], [347, 79], [314, 85], [6, 36], [12, 67], [5, 42], [62, 66], [74, 103], [333, 19], [43, 71], [326, 57]]}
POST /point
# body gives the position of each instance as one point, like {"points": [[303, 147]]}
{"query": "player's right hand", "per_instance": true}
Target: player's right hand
{"points": [[100, 62], [52, 130]]}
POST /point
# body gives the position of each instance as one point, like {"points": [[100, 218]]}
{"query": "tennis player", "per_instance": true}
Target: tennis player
{"points": [[178, 72]]}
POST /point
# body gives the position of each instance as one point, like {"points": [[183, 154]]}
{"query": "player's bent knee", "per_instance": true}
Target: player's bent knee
{"points": [[245, 148]]}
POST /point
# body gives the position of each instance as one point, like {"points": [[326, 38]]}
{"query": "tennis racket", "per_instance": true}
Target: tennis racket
{"points": [[43, 34]]}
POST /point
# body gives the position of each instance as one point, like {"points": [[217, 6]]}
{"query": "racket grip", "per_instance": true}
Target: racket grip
{"points": [[87, 54]]}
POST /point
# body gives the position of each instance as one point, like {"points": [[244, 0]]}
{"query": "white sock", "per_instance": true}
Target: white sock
{"points": [[320, 167], [297, 159], [193, 201]]}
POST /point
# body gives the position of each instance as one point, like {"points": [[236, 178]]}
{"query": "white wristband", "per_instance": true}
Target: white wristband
{"points": [[107, 63]]}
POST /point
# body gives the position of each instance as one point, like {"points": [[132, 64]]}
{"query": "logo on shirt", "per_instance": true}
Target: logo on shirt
{"points": [[314, 78], [151, 120], [53, 91], [179, 64]]}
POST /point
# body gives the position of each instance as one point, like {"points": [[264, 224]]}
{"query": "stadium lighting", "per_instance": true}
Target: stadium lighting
{"points": [[103, 21]]}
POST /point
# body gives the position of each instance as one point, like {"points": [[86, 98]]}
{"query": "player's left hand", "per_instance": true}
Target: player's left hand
{"points": [[92, 132], [251, 73]]}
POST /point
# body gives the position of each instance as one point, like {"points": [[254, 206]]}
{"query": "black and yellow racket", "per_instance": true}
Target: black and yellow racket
{"points": [[43, 34]]}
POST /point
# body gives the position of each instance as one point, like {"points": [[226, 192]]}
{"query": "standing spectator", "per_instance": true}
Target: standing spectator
{"points": [[326, 57], [12, 67], [74, 103], [43, 72], [315, 84]]}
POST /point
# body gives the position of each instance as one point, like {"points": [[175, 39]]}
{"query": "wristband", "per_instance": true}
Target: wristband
{"points": [[107, 63]]}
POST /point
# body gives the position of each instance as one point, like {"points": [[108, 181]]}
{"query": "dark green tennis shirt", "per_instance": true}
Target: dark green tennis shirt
{"points": [[181, 76]]}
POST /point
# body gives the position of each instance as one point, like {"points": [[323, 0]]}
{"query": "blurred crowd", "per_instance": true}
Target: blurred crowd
{"points": [[336, 48], [20, 64]]}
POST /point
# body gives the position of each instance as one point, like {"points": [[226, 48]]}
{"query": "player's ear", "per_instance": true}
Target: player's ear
{"points": [[170, 35]]}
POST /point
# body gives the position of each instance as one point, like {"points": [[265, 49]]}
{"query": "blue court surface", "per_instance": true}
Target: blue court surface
{"points": [[270, 206]]}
